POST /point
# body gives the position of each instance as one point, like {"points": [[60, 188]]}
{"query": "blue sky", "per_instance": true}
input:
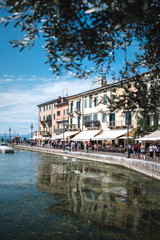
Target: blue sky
{"points": [[25, 81]]}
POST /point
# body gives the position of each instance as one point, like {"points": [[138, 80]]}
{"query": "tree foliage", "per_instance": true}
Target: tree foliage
{"points": [[143, 127], [74, 30]]}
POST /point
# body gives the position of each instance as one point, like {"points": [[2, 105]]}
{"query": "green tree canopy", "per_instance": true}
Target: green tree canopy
{"points": [[74, 30]]}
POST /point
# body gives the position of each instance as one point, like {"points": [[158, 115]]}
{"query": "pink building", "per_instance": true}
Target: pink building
{"points": [[51, 116]]}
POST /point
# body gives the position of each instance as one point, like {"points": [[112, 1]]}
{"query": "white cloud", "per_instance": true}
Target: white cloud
{"points": [[19, 106]]}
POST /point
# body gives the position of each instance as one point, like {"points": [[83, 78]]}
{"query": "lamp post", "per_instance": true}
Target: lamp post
{"points": [[63, 134], [31, 127], [128, 150], [9, 134]]}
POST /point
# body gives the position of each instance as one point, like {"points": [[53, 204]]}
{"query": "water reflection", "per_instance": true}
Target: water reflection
{"points": [[102, 195], [47, 197]]}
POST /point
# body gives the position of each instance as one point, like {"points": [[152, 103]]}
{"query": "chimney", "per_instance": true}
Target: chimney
{"points": [[102, 81]]}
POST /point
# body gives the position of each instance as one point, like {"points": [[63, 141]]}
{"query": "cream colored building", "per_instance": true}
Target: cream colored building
{"points": [[88, 111], [84, 112]]}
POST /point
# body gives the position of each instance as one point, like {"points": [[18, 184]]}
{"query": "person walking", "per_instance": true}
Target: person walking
{"points": [[151, 151], [143, 152], [157, 151], [139, 149], [135, 151]]}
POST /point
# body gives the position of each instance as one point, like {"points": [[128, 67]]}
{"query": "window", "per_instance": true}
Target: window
{"points": [[57, 125], [78, 105], [54, 105], [71, 122], [90, 102], [85, 103], [48, 117], [44, 108], [128, 118], [104, 117], [112, 119], [78, 122], [49, 106], [40, 119], [71, 107], [95, 117], [43, 118], [58, 113], [40, 109], [114, 98], [95, 101], [64, 112], [54, 116], [67, 111], [104, 97], [148, 121], [87, 118]]}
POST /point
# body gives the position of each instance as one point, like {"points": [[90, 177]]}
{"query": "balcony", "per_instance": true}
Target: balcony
{"points": [[119, 124], [43, 123], [72, 127], [94, 124], [77, 111], [45, 134], [48, 121], [70, 112], [59, 130]]}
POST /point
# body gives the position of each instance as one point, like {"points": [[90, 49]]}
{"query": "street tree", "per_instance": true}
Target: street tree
{"points": [[94, 30], [88, 29]]}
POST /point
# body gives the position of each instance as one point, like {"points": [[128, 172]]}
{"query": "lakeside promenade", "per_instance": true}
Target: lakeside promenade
{"points": [[149, 167]]}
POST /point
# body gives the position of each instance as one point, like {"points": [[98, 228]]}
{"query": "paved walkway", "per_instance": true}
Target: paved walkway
{"points": [[124, 155], [117, 154]]}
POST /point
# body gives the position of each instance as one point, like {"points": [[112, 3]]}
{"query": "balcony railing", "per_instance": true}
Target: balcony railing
{"points": [[59, 130], [72, 127], [43, 123], [45, 134], [70, 112], [77, 110], [92, 124], [48, 121], [119, 124]]}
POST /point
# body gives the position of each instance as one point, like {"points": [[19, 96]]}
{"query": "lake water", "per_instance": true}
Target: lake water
{"points": [[47, 197]]}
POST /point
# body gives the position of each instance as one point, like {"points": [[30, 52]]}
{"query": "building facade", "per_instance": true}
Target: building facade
{"points": [[86, 111], [51, 116]]}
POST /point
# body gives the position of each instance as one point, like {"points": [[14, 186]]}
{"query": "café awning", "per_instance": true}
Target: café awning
{"points": [[152, 137], [66, 134], [85, 135], [110, 134]]}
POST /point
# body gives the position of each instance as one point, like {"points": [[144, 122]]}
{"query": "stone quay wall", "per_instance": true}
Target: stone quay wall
{"points": [[149, 168]]}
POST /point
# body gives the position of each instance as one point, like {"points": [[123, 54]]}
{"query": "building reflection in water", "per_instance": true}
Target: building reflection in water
{"points": [[93, 192]]}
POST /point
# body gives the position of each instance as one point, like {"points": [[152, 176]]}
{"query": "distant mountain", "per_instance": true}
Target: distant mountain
{"points": [[28, 135]]}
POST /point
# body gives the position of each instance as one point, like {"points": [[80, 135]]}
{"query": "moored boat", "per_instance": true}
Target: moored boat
{"points": [[6, 149]]}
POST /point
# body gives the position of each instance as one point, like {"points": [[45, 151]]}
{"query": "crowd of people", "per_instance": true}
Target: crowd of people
{"points": [[140, 151]]}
